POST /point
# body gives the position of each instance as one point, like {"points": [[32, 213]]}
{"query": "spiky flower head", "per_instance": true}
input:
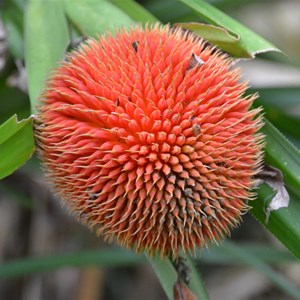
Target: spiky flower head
{"points": [[148, 138]]}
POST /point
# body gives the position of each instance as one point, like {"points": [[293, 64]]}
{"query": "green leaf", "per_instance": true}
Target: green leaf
{"points": [[46, 39], [217, 36], [267, 253], [280, 153], [104, 258], [16, 144], [168, 11], [283, 223], [93, 17], [119, 257], [135, 11], [247, 39], [196, 282], [167, 276], [243, 255]]}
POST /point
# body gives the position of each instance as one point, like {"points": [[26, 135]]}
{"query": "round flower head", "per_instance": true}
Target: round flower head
{"points": [[147, 136]]}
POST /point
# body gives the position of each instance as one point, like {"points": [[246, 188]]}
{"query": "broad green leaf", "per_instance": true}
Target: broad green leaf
{"points": [[218, 36], [135, 11], [103, 258], [280, 153], [93, 17], [243, 255], [283, 223], [46, 39], [16, 144], [167, 276], [248, 40]]}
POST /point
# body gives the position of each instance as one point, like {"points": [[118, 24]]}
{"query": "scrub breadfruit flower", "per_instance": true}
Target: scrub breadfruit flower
{"points": [[148, 138]]}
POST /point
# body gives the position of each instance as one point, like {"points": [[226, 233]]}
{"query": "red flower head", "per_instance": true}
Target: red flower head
{"points": [[148, 138]]}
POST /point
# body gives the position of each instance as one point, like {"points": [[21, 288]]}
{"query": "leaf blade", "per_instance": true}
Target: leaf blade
{"points": [[277, 279], [16, 144], [196, 281], [218, 36], [283, 223], [93, 17], [248, 40], [282, 154], [266, 253], [167, 276], [104, 258], [46, 39], [135, 11]]}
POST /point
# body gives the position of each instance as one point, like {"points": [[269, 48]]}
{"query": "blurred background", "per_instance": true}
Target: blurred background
{"points": [[34, 224]]}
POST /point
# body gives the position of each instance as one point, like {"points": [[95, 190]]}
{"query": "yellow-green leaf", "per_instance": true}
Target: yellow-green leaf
{"points": [[248, 41], [16, 144], [218, 36]]}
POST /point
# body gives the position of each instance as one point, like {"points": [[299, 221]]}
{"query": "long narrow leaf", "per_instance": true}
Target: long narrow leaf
{"points": [[281, 154], [196, 283], [104, 258], [278, 280], [266, 253], [167, 276], [46, 39], [283, 223], [114, 258], [248, 40]]}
